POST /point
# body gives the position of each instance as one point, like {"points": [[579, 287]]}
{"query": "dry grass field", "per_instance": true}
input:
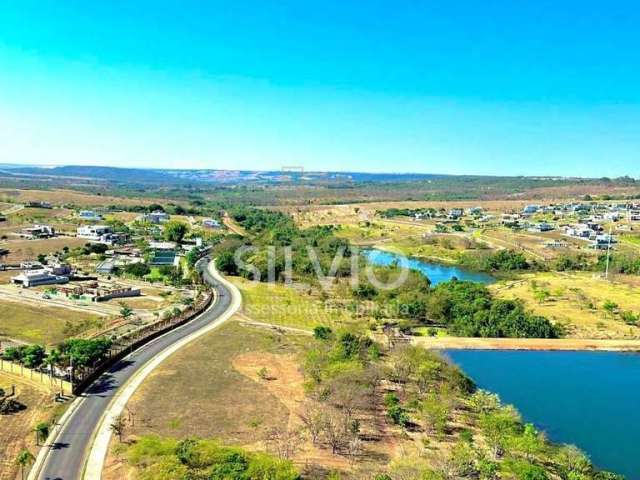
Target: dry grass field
{"points": [[16, 430], [288, 306], [39, 323], [223, 402], [576, 300], [240, 382], [21, 250], [62, 197]]}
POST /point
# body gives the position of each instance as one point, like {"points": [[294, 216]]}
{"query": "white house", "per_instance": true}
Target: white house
{"points": [[98, 233], [154, 217], [33, 278], [38, 231]]}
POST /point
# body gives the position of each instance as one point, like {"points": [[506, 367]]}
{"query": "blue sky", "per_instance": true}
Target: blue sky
{"points": [[482, 87]]}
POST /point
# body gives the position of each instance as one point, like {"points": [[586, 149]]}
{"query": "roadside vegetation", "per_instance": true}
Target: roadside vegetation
{"points": [[160, 458]]}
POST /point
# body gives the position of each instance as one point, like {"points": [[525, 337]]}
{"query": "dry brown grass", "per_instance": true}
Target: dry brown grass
{"points": [[221, 402], [16, 430], [61, 196], [576, 301], [38, 323], [21, 250]]}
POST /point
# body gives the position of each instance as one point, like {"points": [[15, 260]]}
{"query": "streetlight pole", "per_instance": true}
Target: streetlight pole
{"points": [[606, 270]]}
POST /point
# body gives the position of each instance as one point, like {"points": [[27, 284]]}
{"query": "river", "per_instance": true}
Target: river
{"points": [[436, 272]]}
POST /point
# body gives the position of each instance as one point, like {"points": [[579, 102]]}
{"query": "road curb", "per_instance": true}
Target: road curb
{"points": [[53, 434], [102, 437]]}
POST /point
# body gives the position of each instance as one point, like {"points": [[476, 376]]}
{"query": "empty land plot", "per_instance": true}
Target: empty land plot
{"points": [[16, 429], [577, 301], [42, 324], [197, 392], [62, 197], [288, 306], [23, 250]]}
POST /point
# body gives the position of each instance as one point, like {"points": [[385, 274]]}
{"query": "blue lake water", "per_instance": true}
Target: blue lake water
{"points": [[589, 399], [436, 272]]}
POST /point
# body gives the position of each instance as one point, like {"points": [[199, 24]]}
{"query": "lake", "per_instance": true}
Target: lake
{"points": [[436, 272], [589, 399]]}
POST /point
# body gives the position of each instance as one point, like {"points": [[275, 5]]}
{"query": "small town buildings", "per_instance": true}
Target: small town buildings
{"points": [[154, 217], [89, 215], [101, 234], [99, 292], [605, 239], [41, 204], [163, 245], [38, 231], [510, 220], [94, 232], [542, 227], [475, 211], [612, 216], [211, 223], [580, 208], [579, 231], [34, 278], [455, 213]]}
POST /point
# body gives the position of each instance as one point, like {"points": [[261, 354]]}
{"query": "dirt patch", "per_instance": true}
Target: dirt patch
{"points": [[16, 430], [281, 376]]}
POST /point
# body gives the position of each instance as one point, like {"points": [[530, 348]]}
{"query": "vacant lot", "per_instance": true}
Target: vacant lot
{"points": [[41, 324], [293, 306], [22, 250], [223, 402], [16, 429], [577, 301], [61, 197]]}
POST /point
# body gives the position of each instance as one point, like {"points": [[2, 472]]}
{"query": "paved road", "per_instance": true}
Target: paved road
{"points": [[66, 457]]}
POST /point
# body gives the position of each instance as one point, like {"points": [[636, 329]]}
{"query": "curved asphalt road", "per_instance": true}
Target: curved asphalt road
{"points": [[65, 458]]}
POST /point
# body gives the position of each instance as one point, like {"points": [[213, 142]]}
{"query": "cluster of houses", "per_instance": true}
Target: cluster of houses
{"points": [[35, 274], [578, 220], [590, 221]]}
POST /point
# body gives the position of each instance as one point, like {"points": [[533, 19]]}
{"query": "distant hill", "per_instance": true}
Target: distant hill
{"points": [[175, 176]]}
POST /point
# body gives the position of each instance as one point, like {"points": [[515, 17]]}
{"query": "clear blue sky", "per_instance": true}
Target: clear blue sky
{"points": [[486, 87]]}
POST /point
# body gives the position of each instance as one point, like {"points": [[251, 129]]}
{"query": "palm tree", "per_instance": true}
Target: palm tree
{"points": [[42, 432], [24, 459]]}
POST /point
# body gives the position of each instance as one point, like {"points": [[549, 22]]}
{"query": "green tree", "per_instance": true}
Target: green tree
{"points": [[125, 311], [42, 432], [174, 231], [24, 459], [226, 263], [321, 332]]}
